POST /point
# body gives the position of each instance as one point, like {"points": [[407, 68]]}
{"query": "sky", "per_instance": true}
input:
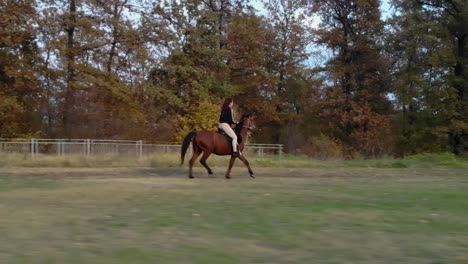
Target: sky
{"points": [[385, 9]]}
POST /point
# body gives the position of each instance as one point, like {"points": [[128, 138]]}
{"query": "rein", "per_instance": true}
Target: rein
{"points": [[248, 127]]}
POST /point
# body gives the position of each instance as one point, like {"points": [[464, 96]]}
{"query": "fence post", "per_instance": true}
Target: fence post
{"points": [[281, 151], [88, 147], [33, 145], [140, 149], [260, 152]]}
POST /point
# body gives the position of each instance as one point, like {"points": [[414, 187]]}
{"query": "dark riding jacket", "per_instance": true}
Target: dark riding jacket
{"points": [[227, 116]]}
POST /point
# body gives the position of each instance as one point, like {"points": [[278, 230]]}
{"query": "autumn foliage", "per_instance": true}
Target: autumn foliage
{"points": [[327, 78]]}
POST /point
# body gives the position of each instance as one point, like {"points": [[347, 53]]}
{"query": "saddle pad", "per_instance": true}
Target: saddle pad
{"points": [[228, 138]]}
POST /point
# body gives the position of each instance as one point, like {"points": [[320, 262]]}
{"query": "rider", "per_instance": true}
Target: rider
{"points": [[226, 119]]}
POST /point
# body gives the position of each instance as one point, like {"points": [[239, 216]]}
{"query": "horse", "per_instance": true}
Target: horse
{"points": [[211, 142]]}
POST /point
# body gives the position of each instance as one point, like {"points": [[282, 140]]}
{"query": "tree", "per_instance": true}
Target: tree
{"points": [[411, 49], [429, 54], [287, 50], [355, 106], [201, 116], [89, 69], [19, 85], [450, 19]]}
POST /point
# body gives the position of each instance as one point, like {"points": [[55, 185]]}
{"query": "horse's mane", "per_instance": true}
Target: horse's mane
{"points": [[240, 124]]}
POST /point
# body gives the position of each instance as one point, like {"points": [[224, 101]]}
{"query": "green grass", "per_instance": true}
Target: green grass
{"points": [[445, 160], [290, 215]]}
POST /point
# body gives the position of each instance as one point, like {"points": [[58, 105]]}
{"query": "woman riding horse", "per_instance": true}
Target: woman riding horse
{"points": [[209, 142], [226, 119]]}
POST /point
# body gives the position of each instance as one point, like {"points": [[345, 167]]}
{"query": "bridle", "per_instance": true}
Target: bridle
{"points": [[251, 127]]}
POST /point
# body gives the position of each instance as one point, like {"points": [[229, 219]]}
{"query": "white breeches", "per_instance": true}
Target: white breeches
{"points": [[227, 128]]}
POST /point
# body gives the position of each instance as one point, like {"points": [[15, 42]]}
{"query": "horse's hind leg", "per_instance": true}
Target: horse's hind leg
{"points": [[248, 165], [196, 153], [203, 161]]}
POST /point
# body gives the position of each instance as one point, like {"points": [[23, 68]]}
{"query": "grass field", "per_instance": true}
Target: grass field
{"points": [[446, 160], [338, 214]]}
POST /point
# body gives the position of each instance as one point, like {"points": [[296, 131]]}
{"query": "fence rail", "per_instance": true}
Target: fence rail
{"points": [[89, 147]]}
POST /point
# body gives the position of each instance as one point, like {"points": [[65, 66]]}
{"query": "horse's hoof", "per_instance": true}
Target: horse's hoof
{"points": [[191, 177], [210, 173], [251, 175], [228, 177]]}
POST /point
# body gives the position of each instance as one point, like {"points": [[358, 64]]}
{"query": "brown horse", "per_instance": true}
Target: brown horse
{"points": [[210, 142]]}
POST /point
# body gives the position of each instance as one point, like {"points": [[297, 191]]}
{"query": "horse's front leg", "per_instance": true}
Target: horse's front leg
{"points": [[246, 162], [231, 163]]}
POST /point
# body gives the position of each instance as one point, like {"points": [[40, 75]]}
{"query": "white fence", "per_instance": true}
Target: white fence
{"points": [[89, 147]]}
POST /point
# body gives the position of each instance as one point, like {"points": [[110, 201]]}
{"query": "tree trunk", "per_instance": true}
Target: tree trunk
{"points": [[70, 57]]}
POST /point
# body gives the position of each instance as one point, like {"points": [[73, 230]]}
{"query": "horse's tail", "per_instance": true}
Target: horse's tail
{"points": [[185, 145]]}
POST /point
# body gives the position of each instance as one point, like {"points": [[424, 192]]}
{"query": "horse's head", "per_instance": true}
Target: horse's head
{"points": [[247, 121]]}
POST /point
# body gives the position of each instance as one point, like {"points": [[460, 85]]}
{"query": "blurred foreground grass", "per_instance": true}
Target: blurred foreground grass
{"points": [[285, 215]]}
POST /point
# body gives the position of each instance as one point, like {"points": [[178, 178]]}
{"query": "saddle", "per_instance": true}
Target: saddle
{"points": [[228, 138]]}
